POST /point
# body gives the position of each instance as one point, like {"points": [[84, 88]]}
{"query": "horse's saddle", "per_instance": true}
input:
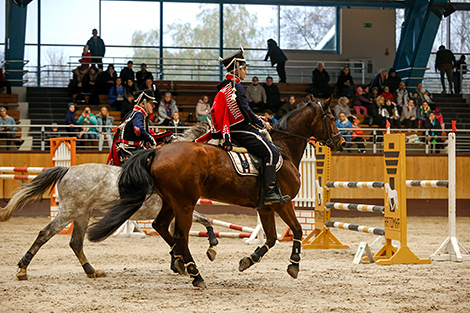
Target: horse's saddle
{"points": [[247, 164]]}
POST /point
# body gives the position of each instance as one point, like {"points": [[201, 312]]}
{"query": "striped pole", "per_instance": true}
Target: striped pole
{"points": [[364, 229], [22, 177], [232, 226], [219, 234], [354, 207], [23, 169], [210, 202], [352, 184], [427, 183]]}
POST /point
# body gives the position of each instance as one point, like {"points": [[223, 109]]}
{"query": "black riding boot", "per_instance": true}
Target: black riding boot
{"points": [[271, 191]]}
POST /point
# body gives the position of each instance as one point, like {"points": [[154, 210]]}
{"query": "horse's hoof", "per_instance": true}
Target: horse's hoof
{"points": [[22, 275], [96, 274], [293, 270], [198, 282], [244, 264], [211, 253]]}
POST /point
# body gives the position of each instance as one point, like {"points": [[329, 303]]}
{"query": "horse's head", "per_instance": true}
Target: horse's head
{"points": [[324, 126]]}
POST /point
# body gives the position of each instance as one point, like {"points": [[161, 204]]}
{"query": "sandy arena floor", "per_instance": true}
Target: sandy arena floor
{"points": [[139, 280]]}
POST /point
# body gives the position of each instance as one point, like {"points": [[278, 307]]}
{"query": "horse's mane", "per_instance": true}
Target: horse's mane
{"points": [[281, 124]]}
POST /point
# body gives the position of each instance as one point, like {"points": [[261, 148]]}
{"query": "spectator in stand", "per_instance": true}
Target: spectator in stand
{"points": [[176, 122], [367, 94], [116, 95], [409, 116], [320, 82], [357, 137], [287, 107], [445, 61], [127, 72], [88, 120], [416, 99], [97, 49], [90, 84], [76, 84], [142, 76], [108, 79], [341, 123], [129, 96], [423, 112], [54, 133], [156, 92], [70, 118], [343, 107], [423, 95], [86, 57], [376, 114], [393, 81], [435, 128], [345, 83], [393, 116], [402, 96], [104, 119], [361, 104], [439, 117], [387, 94], [273, 96], [375, 93], [460, 70], [256, 95], [8, 128], [277, 57], [166, 109], [4, 83], [203, 109], [379, 81], [269, 115]]}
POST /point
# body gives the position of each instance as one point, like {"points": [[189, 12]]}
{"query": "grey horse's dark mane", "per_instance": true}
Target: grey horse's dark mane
{"points": [[195, 132], [281, 124]]}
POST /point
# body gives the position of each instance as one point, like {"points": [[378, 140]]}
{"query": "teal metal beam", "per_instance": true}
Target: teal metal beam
{"points": [[15, 42]]}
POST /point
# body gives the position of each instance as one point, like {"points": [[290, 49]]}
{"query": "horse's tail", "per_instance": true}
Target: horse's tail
{"points": [[36, 188], [134, 183]]}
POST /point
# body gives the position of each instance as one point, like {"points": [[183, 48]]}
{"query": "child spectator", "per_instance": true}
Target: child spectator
{"points": [[341, 123], [367, 94], [409, 116], [343, 107], [439, 117], [176, 122], [392, 112], [375, 93], [166, 109], [357, 136], [86, 57], [387, 94], [104, 119], [345, 83], [70, 118], [203, 109], [269, 115], [361, 103]]}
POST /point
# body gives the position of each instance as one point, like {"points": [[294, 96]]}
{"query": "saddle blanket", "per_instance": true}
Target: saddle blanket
{"points": [[245, 166]]}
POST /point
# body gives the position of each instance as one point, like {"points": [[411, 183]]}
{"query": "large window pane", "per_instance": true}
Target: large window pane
{"points": [[2, 25], [32, 23], [309, 28], [191, 64]]}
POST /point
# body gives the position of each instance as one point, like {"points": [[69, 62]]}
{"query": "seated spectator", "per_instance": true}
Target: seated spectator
{"points": [[156, 92], [393, 82], [4, 83], [367, 93], [203, 109], [256, 95], [70, 118], [416, 99], [166, 109], [142, 76], [342, 122], [8, 128], [54, 133], [116, 94], [387, 94], [439, 117], [108, 79], [129, 96], [88, 120], [375, 94], [393, 116], [76, 84], [90, 84], [435, 128], [104, 119], [343, 107], [127, 72], [273, 96], [287, 107], [357, 137], [320, 82], [423, 111], [345, 83], [409, 116], [377, 114], [86, 57], [424, 96], [361, 103], [176, 122], [269, 115], [402, 96], [379, 81]]}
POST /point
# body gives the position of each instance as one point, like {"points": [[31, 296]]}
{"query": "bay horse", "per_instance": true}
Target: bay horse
{"points": [[181, 173]]}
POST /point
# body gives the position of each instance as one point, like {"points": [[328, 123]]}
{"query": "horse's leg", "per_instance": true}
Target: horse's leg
{"points": [[76, 243], [287, 214], [213, 242], [182, 226], [269, 226], [44, 236]]}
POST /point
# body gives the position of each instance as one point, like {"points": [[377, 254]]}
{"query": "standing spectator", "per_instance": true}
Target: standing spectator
{"points": [[86, 57], [460, 70], [273, 96], [108, 79], [402, 96], [97, 48], [393, 81], [357, 136], [8, 128], [387, 94], [256, 95], [320, 79], [345, 83], [379, 81], [445, 61], [341, 123], [104, 119], [4, 83], [435, 128], [343, 107], [203, 109], [361, 104], [423, 95], [70, 118], [423, 112], [409, 116], [90, 84], [286, 107], [142, 76], [127, 72], [277, 57], [88, 120], [166, 109], [116, 95], [393, 116], [176, 122]]}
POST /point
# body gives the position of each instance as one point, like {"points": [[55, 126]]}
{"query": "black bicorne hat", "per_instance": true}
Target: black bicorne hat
{"points": [[235, 61], [147, 94]]}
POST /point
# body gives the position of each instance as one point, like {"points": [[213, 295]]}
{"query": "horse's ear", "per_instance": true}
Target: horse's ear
{"points": [[327, 102]]}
